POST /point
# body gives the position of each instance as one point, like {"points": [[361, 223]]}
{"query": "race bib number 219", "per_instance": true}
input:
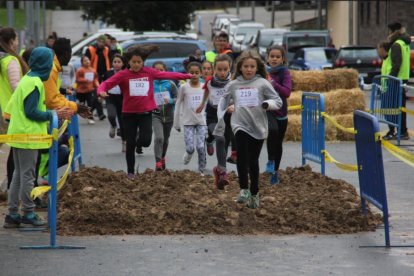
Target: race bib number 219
{"points": [[247, 97]]}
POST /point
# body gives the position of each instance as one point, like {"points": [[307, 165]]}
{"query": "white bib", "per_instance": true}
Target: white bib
{"points": [[161, 96], [116, 90], [194, 99], [247, 97], [216, 94], [89, 76], [139, 87]]}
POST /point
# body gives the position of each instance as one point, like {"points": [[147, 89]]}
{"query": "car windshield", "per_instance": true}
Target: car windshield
{"points": [[171, 50], [319, 56], [294, 43], [249, 31], [267, 39], [358, 53]]}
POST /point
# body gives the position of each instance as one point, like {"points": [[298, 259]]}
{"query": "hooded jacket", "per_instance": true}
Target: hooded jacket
{"points": [[395, 52]]}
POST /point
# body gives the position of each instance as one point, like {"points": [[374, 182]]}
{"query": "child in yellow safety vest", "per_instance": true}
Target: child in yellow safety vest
{"points": [[28, 115]]}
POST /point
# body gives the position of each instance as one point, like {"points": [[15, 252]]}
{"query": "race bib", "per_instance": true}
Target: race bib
{"points": [[216, 94], [115, 90], [160, 97], [247, 97], [194, 99], [89, 76], [139, 87]]}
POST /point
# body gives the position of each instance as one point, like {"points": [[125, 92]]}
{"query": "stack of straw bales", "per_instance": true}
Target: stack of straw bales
{"points": [[323, 81], [342, 97]]}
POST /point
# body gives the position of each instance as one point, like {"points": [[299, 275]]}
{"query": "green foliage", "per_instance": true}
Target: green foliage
{"points": [[19, 18], [142, 15]]}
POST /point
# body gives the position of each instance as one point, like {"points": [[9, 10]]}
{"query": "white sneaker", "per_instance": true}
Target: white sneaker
{"points": [[112, 131], [187, 158], [91, 122]]}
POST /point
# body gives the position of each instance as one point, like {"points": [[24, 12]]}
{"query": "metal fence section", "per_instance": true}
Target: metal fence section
{"points": [[386, 101], [370, 165], [313, 129]]}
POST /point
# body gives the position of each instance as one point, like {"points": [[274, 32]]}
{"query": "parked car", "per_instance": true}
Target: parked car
{"points": [[79, 47], [266, 38], [244, 35], [313, 58], [365, 59], [173, 50], [294, 40], [218, 20], [232, 26]]}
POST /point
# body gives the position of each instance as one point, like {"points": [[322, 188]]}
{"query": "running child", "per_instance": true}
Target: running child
{"points": [[252, 95], [114, 100], [189, 98], [278, 120], [137, 88], [165, 93], [206, 70], [86, 83], [213, 91]]}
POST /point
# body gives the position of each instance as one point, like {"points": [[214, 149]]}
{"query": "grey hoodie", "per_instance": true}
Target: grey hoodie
{"points": [[249, 115]]}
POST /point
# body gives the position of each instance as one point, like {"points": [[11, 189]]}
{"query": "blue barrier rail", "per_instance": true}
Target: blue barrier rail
{"points": [[386, 101], [313, 129]]}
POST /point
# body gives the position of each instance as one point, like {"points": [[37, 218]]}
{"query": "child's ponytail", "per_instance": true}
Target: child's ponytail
{"points": [[142, 51]]}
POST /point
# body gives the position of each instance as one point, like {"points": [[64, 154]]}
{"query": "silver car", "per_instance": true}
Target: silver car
{"points": [[266, 38], [244, 35]]}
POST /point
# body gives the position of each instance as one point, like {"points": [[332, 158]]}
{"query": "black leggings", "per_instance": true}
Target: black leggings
{"points": [[275, 141], [248, 152], [133, 122], [114, 107]]}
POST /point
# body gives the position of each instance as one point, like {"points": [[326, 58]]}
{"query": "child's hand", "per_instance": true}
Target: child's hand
{"points": [[200, 108], [103, 94], [64, 113], [84, 111], [230, 108]]}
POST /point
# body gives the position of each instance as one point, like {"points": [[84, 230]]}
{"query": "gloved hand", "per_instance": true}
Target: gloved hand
{"points": [[84, 111]]}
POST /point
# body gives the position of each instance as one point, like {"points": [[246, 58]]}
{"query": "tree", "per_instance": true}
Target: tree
{"points": [[142, 15]]}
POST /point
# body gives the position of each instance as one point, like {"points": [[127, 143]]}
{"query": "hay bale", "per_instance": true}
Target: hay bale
{"points": [[294, 128], [295, 99], [344, 101], [326, 80], [346, 120], [341, 79]]}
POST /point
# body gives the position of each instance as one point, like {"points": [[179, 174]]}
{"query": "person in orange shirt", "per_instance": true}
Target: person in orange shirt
{"points": [[87, 82], [54, 99]]}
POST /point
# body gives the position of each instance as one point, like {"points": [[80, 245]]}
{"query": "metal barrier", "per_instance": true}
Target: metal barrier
{"points": [[313, 129], [52, 204], [386, 101], [370, 165]]}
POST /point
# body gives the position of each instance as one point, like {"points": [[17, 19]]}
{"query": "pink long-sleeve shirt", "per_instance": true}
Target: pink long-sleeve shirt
{"points": [[137, 87]]}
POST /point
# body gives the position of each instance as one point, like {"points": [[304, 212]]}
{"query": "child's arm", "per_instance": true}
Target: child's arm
{"points": [[95, 80], [272, 98], [178, 106], [80, 77], [109, 84], [33, 113], [285, 88], [205, 97], [164, 75]]}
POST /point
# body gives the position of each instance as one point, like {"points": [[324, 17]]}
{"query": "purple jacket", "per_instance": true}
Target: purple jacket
{"points": [[282, 83]]}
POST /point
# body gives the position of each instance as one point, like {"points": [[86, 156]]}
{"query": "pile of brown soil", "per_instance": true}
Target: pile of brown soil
{"points": [[100, 201]]}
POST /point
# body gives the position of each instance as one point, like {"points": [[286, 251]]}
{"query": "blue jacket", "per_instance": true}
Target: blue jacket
{"points": [[165, 111]]}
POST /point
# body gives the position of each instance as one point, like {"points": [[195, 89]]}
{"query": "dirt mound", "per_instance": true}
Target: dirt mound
{"points": [[100, 201]]}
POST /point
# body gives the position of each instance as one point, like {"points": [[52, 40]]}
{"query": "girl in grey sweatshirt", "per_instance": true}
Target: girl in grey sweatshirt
{"points": [[252, 95]]}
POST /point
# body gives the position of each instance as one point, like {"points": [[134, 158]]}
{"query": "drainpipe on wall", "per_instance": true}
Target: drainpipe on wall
{"points": [[351, 22]]}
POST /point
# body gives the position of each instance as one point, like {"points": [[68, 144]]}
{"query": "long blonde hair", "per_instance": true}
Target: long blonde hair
{"points": [[261, 69]]}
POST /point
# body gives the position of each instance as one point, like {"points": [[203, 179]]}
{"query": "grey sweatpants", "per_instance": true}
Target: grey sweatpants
{"points": [[23, 180], [162, 133], [199, 133], [221, 151]]}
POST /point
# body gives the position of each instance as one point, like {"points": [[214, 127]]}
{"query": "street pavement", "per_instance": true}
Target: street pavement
{"points": [[221, 254]]}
